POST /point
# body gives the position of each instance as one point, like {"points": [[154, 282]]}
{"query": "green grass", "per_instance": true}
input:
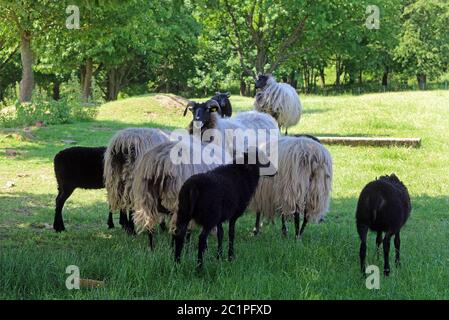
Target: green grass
{"points": [[323, 265]]}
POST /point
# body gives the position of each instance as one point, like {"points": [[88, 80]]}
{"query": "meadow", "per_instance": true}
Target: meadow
{"points": [[323, 265]]}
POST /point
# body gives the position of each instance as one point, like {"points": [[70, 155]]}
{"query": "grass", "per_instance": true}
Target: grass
{"points": [[324, 265]]}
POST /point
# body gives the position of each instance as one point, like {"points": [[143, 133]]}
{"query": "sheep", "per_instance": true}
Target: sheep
{"points": [[78, 167], [279, 100], [383, 206], [124, 148], [205, 117], [302, 186], [225, 104], [158, 179], [213, 197], [225, 109]]}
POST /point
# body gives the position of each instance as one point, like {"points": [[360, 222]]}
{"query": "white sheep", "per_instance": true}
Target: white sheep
{"points": [[302, 186], [123, 150], [279, 100]]}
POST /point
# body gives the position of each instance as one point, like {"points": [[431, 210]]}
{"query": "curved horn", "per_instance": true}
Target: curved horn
{"points": [[213, 103], [189, 104]]}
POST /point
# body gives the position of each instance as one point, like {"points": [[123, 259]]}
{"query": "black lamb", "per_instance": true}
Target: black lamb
{"points": [[79, 167], [224, 102], [214, 197], [383, 206]]}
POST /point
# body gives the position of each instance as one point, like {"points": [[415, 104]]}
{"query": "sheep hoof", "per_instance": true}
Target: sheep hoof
{"points": [[59, 228], [386, 272]]}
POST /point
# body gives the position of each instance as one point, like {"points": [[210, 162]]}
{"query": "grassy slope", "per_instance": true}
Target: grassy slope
{"points": [[323, 265]]}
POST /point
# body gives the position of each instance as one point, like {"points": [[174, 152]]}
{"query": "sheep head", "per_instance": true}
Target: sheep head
{"points": [[201, 111], [221, 98], [262, 80]]}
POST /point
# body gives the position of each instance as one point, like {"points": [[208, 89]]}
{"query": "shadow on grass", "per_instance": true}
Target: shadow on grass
{"points": [[50, 140], [315, 111]]}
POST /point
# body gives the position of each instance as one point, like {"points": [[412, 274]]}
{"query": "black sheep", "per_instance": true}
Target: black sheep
{"points": [[224, 102], [79, 167], [224, 110], [383, 206], [214, 197]]}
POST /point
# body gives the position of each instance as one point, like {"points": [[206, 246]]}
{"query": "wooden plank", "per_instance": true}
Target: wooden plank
{"points": [[368, 141]]}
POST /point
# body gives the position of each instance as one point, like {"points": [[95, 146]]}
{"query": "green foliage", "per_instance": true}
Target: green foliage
{"points": [[198, 47], [424, 43]]}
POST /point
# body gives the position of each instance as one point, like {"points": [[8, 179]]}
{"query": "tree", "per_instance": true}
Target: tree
{"points": [[423, 48], [27, 20]]}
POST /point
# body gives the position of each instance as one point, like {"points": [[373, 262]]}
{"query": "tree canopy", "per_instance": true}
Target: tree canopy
{"points": [[200, 46]]}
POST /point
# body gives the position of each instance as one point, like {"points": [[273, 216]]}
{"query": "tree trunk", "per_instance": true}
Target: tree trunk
{"points": [[360, 77], [337, 71], [422, 79], [261, 60], [385, 78], [56, 91], [27, 82], [87, 80], [113, 85], [242, 87], [322, 78]]}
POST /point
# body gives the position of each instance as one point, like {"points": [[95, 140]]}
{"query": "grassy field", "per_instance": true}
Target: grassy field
{"points": [[323, 265]]}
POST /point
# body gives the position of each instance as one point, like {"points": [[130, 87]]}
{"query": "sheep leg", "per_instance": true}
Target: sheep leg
{"points": [[256, 229], [387, 254], [231, 240], [304, 223], [220, 241], [123, 219], [130, 227], [163, 226], [179, 241], [397, 246], [63, 195], [363, 232], [110, 221], [151, 240], [297, 225], [378, 242], [284, 226], [202, 245]]}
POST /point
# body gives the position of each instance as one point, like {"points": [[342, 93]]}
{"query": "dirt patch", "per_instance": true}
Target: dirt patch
{"points": [[171, 101], [11, 152]]}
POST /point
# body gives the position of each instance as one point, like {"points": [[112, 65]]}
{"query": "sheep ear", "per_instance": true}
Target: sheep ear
{"points": [[185, 111], [228, 94], [217, 93]]}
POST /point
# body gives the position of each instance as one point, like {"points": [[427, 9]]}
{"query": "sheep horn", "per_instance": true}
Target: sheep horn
{"points": [[213, 103], [189, 104]]}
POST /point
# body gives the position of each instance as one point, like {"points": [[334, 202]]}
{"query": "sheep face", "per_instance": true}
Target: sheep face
{"points": [[221, 98], [201, 111], [261, 81]]}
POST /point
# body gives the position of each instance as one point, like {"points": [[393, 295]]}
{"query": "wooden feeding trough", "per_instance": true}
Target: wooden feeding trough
{"points": [[368, 141]]}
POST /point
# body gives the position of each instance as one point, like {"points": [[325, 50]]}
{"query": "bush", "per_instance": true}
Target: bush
{"points": [[49, 112]]}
